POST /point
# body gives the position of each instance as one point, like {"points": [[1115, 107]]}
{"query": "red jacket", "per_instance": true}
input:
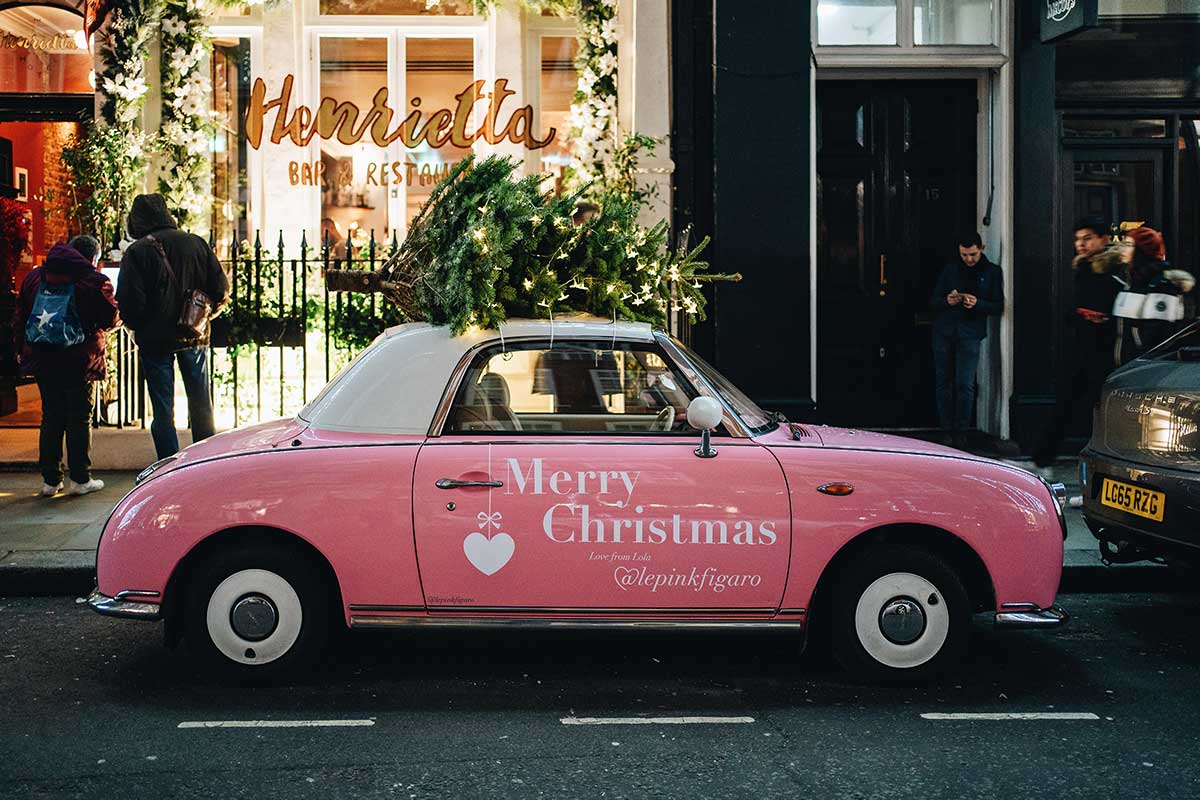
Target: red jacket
{"points": [[97, 309]]}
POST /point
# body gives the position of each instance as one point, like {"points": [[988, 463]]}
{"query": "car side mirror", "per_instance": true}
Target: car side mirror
{"points": [[704, 414]]}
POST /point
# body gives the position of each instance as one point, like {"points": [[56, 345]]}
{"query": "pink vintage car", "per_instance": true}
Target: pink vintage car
{"points": [[549, 475]]}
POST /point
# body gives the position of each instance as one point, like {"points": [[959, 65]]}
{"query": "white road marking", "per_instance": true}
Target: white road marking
{"points": [[656, 720], [1058, 715], [280, 723]]}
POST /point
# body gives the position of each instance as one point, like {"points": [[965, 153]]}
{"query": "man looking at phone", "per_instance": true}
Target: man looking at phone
{"points": [[969, 290]]}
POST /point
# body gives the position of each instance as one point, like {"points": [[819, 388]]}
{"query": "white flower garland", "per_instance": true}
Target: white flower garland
{"points": [[187, 119], [124, 79], [594, 131]]}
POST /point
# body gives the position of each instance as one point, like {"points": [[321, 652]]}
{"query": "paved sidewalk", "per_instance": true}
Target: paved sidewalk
{"points": [[48, 545]]}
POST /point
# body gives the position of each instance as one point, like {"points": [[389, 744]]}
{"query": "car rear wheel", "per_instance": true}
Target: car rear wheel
{"points": [[257, 612], [899, 615]]}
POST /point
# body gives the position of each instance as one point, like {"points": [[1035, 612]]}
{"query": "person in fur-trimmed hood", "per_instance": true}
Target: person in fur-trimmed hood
{"points": [[1095, 282], [1144, 255]]}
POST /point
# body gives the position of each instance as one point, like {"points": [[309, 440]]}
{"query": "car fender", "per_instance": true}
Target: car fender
{"points": [[351, 503], [1005, 515]]}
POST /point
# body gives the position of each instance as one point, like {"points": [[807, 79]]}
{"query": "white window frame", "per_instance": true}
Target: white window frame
{"points": [[396, 31], [311, 10], [907, 53], [249, 27], [536, 28]]}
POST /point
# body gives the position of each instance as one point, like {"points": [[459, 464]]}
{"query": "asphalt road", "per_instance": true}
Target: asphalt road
{"points": [[93, 707]]}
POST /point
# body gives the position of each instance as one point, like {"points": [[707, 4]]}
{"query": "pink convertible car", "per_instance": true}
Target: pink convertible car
{"points": [[583, 473]]}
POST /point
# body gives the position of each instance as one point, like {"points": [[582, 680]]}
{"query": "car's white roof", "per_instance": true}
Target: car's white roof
{"points": [[395, 385]]}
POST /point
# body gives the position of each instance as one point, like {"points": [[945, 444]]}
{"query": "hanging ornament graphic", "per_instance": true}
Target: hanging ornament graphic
{"points": [[489, 551]]}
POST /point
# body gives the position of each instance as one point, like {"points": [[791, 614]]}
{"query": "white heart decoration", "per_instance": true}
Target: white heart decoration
{"points": [[489, 555]]}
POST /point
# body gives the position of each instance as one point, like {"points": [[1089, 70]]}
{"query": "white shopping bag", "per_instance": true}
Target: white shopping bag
{"points": [[1168, 307], [1129, 305]]}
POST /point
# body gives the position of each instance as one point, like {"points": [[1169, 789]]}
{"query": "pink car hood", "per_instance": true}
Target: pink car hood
{"points": [[824, 435], [264, 436]]}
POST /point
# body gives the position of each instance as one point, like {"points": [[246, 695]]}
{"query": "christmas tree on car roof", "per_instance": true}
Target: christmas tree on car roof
{"points": [[488, 245]]}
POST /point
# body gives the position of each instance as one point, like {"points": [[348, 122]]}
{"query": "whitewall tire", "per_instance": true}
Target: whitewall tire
{"points": [[899, 614], [257, 611]]}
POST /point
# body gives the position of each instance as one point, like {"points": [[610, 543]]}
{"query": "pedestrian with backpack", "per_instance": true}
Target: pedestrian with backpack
{"points": [[170, 285], [64, 309]]}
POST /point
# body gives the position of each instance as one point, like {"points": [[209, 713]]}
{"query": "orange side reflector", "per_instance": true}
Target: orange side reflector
{"points": [[836, 489]]}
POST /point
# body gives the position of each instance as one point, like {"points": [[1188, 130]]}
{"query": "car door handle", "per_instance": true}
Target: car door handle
{"points": [[451, 483]]}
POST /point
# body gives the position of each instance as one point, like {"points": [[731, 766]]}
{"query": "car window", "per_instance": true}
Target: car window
{"points": [[752, 416], [573, 387]]}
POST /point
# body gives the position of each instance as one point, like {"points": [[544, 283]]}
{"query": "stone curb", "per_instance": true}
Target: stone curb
{"points": [[73, 572], [36, 573]]}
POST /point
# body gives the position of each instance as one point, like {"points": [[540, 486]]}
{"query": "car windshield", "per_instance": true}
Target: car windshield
{"points": [[1183, 346], [752, 416]]}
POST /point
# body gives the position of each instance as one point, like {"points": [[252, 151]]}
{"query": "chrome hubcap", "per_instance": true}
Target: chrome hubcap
{"points": [[902, 620], [253, 617]]}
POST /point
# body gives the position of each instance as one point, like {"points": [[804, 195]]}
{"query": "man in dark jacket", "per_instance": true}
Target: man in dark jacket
{"points": [[1092, 355], [967, 292], [65, 374], [151, 295]]}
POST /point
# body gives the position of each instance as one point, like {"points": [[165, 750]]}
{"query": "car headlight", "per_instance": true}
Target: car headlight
{"points": [[150, 470]]}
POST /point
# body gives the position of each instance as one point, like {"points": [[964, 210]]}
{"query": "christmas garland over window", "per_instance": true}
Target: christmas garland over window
{"points": [[110, 160], [187, 121], [594, 107]]}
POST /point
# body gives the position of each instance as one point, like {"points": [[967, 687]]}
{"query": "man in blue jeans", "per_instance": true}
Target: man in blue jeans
{"points": [[157, 272], [968, 291]]}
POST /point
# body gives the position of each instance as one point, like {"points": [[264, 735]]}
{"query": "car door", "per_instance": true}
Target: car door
{"points": [[565, 481]]}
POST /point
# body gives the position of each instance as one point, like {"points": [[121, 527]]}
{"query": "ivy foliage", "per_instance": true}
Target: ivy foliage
{"points": [[106, 172], [488, 245]]}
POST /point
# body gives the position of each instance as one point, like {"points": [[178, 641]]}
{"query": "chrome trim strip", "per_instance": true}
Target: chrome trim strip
{"points": [[397, 609], [369, 622], [1031, 617], [123, 595], [125, 609], [598, 611]]}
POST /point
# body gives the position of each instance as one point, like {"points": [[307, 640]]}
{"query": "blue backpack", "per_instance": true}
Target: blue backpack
{"points": [[54, 320]]}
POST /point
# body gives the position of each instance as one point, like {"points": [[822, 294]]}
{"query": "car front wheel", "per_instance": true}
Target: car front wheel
{"points": [[900, 615], [257, 612]]}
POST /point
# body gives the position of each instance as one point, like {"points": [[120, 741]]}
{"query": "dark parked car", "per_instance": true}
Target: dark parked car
{"points": [[1141, 470]]}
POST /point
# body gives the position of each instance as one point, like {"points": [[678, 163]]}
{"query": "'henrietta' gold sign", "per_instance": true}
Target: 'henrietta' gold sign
{"points": [[347, 123]]}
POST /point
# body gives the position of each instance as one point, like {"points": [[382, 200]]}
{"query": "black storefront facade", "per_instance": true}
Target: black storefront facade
{"points": [[833, 151], [1107, 120], [834, 173]]}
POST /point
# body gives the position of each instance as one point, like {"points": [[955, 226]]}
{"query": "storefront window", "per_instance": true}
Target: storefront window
{"points": [[953, 22], [231, 90], [1135, 58], [423, 8], [43, 49], [856, 22], [1155, 8], [557, 90], [436, 71], [1124, 192], [1115, 128], [352, 70]]}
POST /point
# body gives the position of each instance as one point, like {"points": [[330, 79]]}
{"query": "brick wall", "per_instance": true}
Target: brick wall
{"points": [[57, 199]]}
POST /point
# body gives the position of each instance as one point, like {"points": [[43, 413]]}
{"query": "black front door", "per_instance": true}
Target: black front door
{"points": [[896, 166]]}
